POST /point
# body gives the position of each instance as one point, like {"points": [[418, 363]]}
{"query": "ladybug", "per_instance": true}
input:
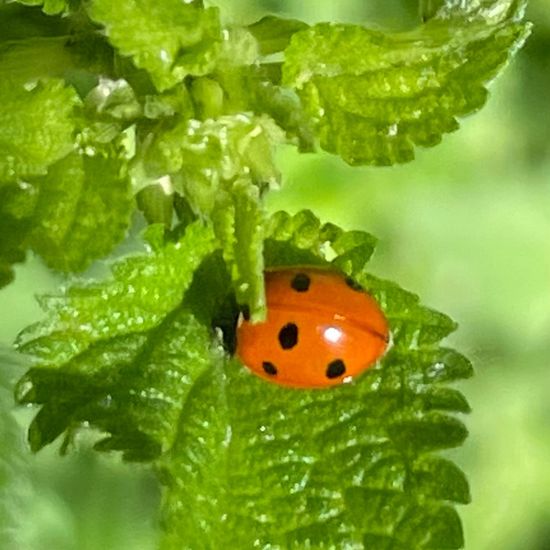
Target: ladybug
{"points": [[321, 329]]}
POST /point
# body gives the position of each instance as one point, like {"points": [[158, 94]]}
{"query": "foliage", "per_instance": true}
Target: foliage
{"points": [[149, 373], [161, 95], [160, 102]]}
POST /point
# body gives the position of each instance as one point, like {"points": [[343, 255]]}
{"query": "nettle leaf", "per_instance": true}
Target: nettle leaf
{"points": [[216, 150], [255, 464], [170, 40], [82, 212], [245, 462], [143, 290], [238, 219], [284, 106], [274, 33], [112, 99], [257, 88], [302, 240], [123, 353], [239, 47], [491, 11], [167, 104], [222, 167], [132, 387], [156, 204], [374, 96], [36, 127], [72, 216]]}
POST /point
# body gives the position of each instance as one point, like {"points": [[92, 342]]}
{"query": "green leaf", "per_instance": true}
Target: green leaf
{"points": [[207, 97], [29, 59], [274, 33], [36, 127], [402, 525], [356, 461], [132, 387], [135, 357], [452, 486], [143, 290], [121, 355], [72, 216], [374, 96], [406, 312], [114, 99], [429, 8], [83, 211], [489, 11], [156, 204], [239, 47], [175, 101], [249, 455], [239, 221], [204, 154], [221, 167], [301, 239], [170, 40], [258, 88]]}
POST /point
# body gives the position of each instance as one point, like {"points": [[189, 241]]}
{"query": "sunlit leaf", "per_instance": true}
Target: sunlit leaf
{"points": [[374, 96], [356, 461], [170, 40], [83, 210], [36, 127], [132, 387], [143, 290]]}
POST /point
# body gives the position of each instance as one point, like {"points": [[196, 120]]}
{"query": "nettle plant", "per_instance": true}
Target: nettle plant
{"points": [[112, 112]]}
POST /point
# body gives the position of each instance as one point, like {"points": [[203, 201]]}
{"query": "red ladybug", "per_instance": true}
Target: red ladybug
{"points": [[321, 329]]}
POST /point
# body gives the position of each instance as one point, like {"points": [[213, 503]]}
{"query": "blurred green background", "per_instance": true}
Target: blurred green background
{"points": [[466, 226]]}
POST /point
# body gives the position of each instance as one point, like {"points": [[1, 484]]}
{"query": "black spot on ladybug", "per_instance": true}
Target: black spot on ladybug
{"points": [[301, 282], [336, 368], [354, 285], [288, 336], [246, 313], [269, 368]]}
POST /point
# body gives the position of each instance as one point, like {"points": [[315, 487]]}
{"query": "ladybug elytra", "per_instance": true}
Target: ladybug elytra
{"points": [[321, 329]]}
